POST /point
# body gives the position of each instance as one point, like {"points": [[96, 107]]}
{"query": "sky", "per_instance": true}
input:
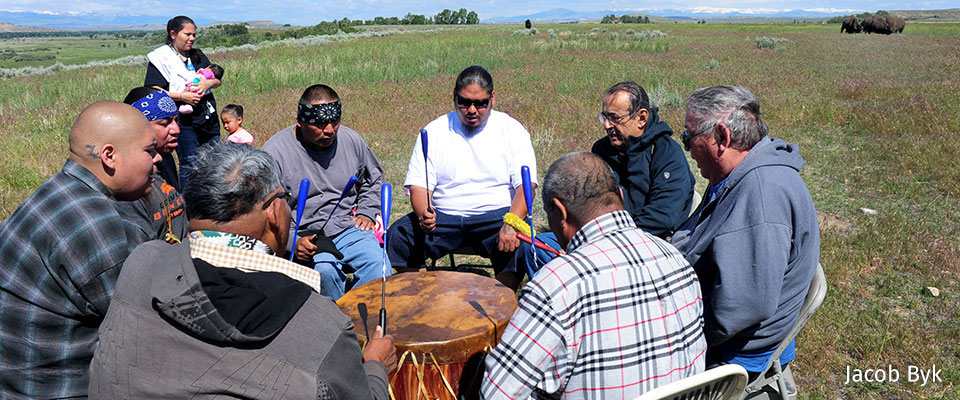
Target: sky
{"points": [[302, 12]]}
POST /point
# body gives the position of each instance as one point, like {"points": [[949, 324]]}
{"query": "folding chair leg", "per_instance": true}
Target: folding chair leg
{"points": [[786, 384]]}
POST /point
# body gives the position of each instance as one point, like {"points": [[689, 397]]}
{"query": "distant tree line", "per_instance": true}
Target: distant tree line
{"points": [[861, 16], [231, 35], [445, 17], [323, 28], [625, 19]]}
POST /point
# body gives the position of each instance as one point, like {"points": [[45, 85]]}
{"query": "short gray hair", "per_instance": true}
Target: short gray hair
{"points": [[227, 181], [583, 182], [735, 106]]}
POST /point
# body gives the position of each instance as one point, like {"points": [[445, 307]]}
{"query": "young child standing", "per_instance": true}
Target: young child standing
{"points": [[232, 118]]}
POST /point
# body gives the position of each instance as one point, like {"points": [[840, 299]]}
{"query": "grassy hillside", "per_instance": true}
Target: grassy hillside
{"points": [[876, 117]]}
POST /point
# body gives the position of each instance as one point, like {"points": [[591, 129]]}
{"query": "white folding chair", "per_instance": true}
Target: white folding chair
{"points": [[725, 382], [773, 372], [695, 203]]}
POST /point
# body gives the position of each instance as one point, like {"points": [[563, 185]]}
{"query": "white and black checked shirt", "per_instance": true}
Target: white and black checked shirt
{"points": [[618, 315]]}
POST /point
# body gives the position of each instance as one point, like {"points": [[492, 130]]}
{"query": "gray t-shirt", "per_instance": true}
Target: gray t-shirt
{"points": [[328, 171]]}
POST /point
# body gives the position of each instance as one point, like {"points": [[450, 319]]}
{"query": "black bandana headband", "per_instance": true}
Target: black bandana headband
{"points": [[319, 113]]}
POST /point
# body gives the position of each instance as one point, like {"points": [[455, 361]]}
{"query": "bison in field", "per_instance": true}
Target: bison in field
{"points": [[896, 24], [876, 24], [851, 25]]}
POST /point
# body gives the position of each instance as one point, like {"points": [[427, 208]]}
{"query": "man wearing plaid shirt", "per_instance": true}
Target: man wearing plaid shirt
{"points": [[619, 314], [62, 250]]}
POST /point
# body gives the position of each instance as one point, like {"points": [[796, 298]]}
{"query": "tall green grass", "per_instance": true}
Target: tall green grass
{"points": [[876, 117]]}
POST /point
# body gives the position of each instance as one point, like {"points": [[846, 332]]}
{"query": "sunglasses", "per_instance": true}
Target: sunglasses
{"points": [[284, 195], [466, 103]]}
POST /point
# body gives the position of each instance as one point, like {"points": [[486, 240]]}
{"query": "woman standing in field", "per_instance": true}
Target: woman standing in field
{"points": [[173, 66]]}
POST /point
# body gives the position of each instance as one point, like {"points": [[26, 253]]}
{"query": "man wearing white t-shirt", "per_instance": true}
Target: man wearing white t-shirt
{"points": [[472, 168]]}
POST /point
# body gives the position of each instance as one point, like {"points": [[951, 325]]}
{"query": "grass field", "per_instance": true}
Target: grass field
{"points": [[877, 119], [44, 51]]}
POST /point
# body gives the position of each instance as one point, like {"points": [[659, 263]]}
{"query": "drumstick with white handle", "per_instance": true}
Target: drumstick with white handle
{"points": [[386, 201]]}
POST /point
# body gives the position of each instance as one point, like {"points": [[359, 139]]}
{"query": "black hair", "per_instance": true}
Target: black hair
{"points": [[176, 25], [638, 97], [474, 74], [138, 93], [217, 71], [235, 109], [318, 92]]}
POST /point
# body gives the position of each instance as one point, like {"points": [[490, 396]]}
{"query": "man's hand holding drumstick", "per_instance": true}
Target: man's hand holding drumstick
{"points": [[380, 348]]}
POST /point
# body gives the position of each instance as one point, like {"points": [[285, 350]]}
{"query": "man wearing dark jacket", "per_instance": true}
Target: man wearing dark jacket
{"points": [[220, 314], [651, 168], [754, 241]]}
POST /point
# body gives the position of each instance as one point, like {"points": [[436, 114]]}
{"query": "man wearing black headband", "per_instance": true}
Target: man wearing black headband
{"points": [[317, 147]]}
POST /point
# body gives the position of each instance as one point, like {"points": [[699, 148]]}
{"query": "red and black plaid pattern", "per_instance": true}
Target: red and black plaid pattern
{"points": [[618, 315]]}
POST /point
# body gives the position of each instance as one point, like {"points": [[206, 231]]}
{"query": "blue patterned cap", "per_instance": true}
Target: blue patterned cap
{"points": [[156, 105]]}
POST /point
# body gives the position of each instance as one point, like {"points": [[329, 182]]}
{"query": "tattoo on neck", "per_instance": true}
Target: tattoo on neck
{"points": [[91, 150]]}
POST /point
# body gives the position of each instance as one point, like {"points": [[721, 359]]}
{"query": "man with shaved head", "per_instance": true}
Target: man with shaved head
{"points": [[617, 315], [62, 251]]}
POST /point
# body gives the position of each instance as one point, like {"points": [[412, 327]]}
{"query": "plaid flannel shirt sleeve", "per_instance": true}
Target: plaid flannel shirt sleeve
{"points": [[532, 354]]}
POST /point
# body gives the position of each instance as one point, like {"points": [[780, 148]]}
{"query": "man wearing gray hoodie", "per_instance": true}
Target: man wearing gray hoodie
{"points": [[754, 240]]}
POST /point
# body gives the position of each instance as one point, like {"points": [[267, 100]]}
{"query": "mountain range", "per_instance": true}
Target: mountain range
{"points": [[89, 21]]}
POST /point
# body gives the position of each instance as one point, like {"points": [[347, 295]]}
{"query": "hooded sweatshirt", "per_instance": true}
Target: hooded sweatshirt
{"points": [[755, 248], [656, 179], [181, 328]]}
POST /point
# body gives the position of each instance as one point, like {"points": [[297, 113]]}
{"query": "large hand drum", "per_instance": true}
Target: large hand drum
{"points": [[442, 323]]}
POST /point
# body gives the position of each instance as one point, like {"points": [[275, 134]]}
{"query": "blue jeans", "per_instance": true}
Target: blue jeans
{"points": [[525, 254], [408, 246], [191, 138], [362, 255]]}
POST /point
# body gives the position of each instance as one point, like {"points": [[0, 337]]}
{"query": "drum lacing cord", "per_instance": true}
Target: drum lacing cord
{"points": [[420, 368]]}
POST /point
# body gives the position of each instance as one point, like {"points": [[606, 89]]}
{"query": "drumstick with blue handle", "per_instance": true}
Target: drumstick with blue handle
{"points": [[528, 197], [346, 189], [301, 203], [386, 201], [426, 168]]}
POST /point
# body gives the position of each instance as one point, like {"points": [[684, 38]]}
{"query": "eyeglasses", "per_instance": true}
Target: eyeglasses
{"points": [[282, 195], [614, 119], [466, 103], [686, 137]]}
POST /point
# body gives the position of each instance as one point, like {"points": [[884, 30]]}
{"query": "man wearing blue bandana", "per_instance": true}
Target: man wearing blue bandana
{"points": [[157, 106], [161, 214], [317, 147]]}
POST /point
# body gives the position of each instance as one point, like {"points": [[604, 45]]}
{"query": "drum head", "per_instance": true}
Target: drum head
{"points": [[436, 312]]}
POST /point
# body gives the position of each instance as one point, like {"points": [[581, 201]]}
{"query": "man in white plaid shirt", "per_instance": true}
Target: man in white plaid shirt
{"points": [[619, 314]]}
